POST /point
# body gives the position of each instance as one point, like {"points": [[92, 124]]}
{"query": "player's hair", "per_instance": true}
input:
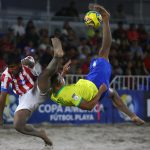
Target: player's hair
{"points": [[12, 58], [55, 80]]}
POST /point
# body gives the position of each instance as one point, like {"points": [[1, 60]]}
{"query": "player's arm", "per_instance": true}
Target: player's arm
{"points": [[107, 38], [2, 105], [66, 68], [89, 105], [28, 61]]}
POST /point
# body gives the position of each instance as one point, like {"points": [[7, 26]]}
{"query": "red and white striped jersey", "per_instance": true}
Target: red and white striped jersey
{"points": [[21, 83]]}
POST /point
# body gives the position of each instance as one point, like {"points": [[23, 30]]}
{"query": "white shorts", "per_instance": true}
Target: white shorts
{"points": [[31, 100]]}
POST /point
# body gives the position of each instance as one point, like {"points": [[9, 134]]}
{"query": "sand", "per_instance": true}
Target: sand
{"points": [[89, 137]]}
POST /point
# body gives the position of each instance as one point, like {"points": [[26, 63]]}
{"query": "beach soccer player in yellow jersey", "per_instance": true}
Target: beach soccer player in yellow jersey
{"points": [[86, 93]]}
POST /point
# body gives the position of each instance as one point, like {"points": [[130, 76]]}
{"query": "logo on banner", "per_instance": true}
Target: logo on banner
{"points": [[128, 101], [10, 108]]}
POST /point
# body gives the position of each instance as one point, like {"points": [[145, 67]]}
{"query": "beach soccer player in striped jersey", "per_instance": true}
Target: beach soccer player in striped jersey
{"points": [[86, 93], [27, 82]]}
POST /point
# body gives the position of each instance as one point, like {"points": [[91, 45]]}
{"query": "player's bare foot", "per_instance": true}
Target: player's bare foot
{"points": [[137, 120], [58, 51], [45, 138], [47, 147]]}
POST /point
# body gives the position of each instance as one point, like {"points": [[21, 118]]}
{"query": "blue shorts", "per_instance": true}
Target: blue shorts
{"points": [[100, 72]]}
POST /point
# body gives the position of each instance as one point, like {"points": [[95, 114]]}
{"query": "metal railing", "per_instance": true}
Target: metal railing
{"points": [[120, 82], [71, 78], [131, 82]]}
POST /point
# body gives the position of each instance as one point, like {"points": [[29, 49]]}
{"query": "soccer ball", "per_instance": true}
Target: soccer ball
{"points": [[93, 19]]}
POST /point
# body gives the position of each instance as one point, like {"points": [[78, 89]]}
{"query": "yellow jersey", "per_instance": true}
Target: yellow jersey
{"points": [[72, 95]]}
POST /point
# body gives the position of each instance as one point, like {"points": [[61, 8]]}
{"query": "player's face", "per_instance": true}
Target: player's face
{"points": [[14, 68]]}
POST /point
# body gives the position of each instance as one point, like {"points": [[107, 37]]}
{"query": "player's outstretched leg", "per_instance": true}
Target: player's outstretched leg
{"points": [[52, 67], [20, 125], [117, 101]]}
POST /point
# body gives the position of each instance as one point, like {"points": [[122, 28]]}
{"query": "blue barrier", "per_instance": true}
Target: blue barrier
{"points": [[102, 113], [53, 113]]}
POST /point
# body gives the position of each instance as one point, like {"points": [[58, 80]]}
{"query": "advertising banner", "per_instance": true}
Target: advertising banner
{"points": [[53, 113], [102, 113]]}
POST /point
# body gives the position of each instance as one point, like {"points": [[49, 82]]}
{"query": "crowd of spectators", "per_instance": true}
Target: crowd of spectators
{"points": [[129, 54]]}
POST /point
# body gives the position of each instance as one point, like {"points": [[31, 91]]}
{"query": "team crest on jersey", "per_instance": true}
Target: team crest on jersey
{"points": [[22, 82], [94, 64], [75, 97]]}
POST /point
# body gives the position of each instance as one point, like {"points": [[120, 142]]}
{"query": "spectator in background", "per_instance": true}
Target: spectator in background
{"points": [[29, 49], [139, 68], [68, 31], [136, 49], [129, 68], [146, 59], [96, 39], [119, 33], [85, 65], [29, 26], [124, 46], [72, 52], [143, 35], [44, 37], [7, 44], [45, 56], [32, 36], [66, 27], [116, 69], [18, 28], [132, 33], [11, 36], [57, 33], [72, 38], [2, 63], [83, 49]]}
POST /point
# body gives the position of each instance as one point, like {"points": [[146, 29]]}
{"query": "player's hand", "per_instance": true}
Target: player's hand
{"points": [[66, 67], [104, 13], [103, 88], [137, 120]]}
